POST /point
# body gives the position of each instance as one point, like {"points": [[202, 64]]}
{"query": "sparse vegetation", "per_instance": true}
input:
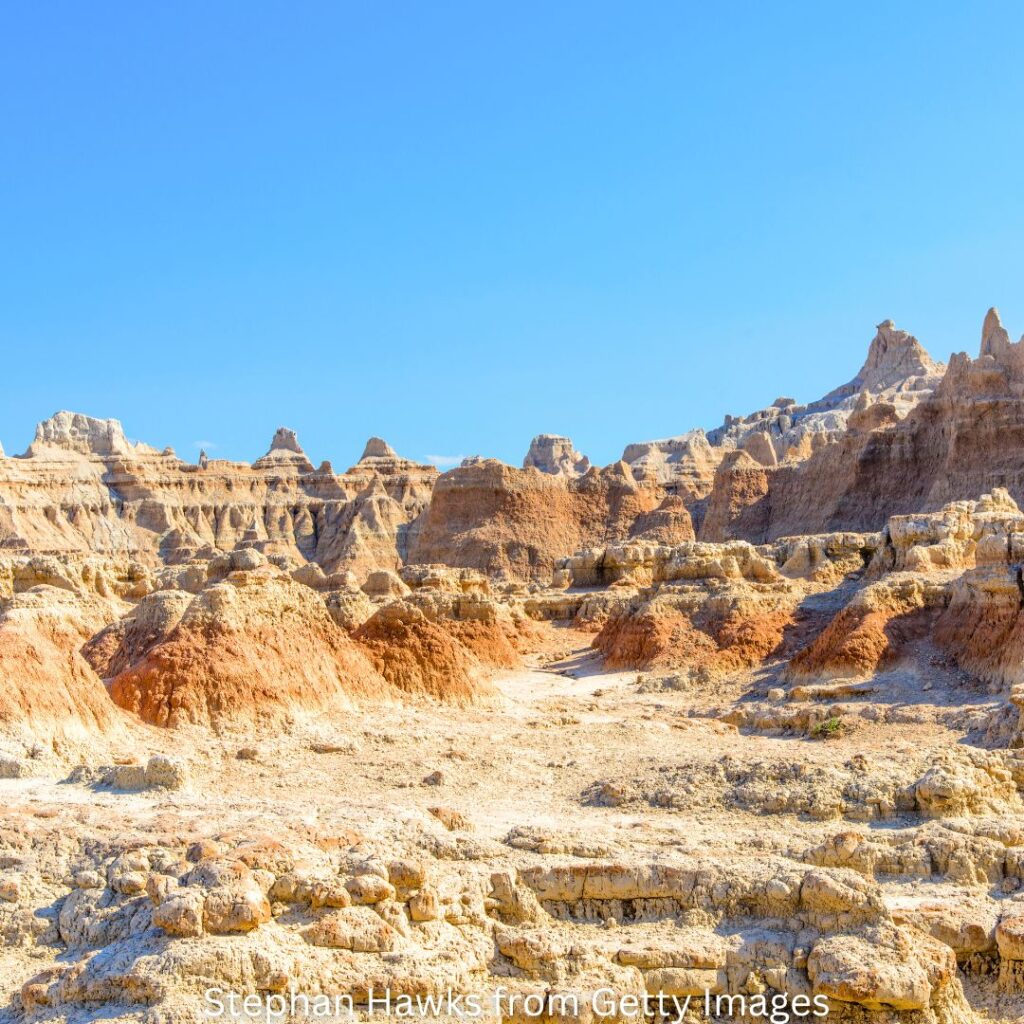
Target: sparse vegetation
{"points": [[831, 728]]}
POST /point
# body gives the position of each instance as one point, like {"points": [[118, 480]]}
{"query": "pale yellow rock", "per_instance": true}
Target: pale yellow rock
{"points": [[685, 981], [355, 928], [425, 906], [228, 910], [369, 889], [181, 915]]}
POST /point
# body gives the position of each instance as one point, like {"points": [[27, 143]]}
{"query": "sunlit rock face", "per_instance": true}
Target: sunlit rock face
{"points": [[82, 487], [556, 455]]}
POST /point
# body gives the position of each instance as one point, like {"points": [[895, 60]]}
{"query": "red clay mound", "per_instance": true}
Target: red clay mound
{"points": [[252, 650], [868, 634], [658, 635], [122, 643], [428, 658], [487, 640], [855, 642], [50, 694]]}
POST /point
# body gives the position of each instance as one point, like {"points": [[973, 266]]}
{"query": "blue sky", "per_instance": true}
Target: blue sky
{"points": [[459, 224]]}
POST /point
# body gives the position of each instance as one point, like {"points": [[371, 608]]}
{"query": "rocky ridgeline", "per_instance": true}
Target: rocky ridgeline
{"points": [[897, 374], [82, 487], [906, 434]]}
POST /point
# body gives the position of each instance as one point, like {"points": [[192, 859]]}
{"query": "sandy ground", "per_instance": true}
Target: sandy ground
{"points": [[522, 769]]}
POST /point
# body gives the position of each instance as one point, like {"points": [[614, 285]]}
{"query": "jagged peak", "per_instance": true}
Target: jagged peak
{"points": [[379, 457], [285, 450], [378, 448], [555, 454], [893, 354], [896, 361], [76, 432], [995, 339], [286, 440]]}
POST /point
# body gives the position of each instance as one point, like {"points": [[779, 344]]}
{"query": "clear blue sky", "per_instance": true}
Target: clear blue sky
{"points": [[459, 224]]}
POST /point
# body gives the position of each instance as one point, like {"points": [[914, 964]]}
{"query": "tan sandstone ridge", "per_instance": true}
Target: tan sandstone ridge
{"points": [[956, 442], [553, 454], [739, 715], [905, 434], [81, 486]]}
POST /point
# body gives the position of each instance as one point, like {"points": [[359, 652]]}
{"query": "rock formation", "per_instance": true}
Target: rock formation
{"points": [[73, 432], [739, 717], [50, 694], [686, 463], [553, 454], [82, 487], [669, 523], [906, 449], [904, 435], [419, 656], [897, 371], [285, 454], [253, 647], [518, 523]]}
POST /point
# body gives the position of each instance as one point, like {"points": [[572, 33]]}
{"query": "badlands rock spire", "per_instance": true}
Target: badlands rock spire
{"points": [[556, 455], [995, 341], [285, 452]]}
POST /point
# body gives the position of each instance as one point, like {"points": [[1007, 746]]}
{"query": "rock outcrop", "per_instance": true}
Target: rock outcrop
{"points": [[285, 453], [553, 454], [706, 608], [252, 648], [897, 370], [686, 463], [71, 432], [898, 374], [954, 443], [82, 487], [519, 523]]}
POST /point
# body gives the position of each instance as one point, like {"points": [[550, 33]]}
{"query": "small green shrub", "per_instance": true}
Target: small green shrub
{"points": [[829, 729]]}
